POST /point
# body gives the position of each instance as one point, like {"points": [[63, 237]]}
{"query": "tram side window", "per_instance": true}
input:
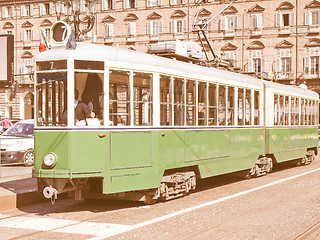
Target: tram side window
{"points": [[178, 102], [191, 102], [276, 110], [316, 112], [281, 110], [142, 98], [296, 117], [89, 88], [286, 110], [165, 101], [293, 111], [303, 112], [202, 104], [310, 112], [256, 108], [119, 98], [222, 105], [311, 122], [212, 118], [52, 99], [230, 110], [248, 107], [240, 106]]}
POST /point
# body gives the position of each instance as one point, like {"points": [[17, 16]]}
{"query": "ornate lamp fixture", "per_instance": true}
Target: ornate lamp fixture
{"points": [[70, 9]]}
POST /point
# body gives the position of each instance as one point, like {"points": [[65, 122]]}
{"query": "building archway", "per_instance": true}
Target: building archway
{"points": [[27, 106]]}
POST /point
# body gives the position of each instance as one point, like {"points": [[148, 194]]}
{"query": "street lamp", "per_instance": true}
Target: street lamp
{"points": [[70, 9]]}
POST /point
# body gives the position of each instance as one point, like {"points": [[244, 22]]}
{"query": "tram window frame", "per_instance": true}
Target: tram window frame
{"points": [[241, 101], [292, 111], [119, 118], [297, 111], [90, 87], [212, 104], [256, 108], [222, 103], [202, 103], [303, 114], [276, 109], [142, 99], [247, 106], [286, 110], [179, 101], [51, 90], [165, 86], [190, 102], [230, 106]]}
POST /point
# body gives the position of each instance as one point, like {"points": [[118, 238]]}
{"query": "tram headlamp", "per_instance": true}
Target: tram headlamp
{"points": [[49, 159]]}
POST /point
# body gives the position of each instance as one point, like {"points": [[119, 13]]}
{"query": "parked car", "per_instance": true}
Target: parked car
{"points": [[17, 144], [13, 121]]}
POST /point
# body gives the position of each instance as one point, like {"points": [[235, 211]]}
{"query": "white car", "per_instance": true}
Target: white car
{"points": [[17, 144]]}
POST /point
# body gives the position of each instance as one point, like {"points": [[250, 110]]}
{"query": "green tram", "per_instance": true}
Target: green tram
{"points": [[159, 124]]}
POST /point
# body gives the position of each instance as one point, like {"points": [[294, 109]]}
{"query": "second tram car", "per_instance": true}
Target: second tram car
{"points": [[159, 124]]}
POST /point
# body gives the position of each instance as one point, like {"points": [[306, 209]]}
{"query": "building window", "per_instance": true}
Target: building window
{"points": [[26, 35], [109, 30], [153, 3], [257, 20], [131, 3], [47, 33], [285, 19], [178, 25], [108, 4], [7, 11], [229, 56], [256, 61], [132, 28], [27, 66], [27, 10], [154, 27], [45, 9], [283, 64], [177, 2], [229, 22], [8, 32], [312, 18], [311, 63]]}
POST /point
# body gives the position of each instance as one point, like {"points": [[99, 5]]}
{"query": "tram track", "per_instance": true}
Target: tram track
{"points": [[240, 215], [206, 233], [315, 229]]}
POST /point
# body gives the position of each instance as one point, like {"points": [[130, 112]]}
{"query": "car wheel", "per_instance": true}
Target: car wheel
{"points": [[28, 158]]}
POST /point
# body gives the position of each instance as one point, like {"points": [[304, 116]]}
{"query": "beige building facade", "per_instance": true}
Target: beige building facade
{"points": [[275, 39]]}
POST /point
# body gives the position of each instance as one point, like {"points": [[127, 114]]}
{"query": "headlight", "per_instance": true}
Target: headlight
{"points": [[49, 159]]}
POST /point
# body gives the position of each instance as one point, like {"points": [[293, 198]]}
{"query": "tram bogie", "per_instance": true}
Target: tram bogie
{"points": [[159, 125]]}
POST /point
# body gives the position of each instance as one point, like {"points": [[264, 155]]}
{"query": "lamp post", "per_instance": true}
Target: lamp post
{"points": [[71, 10]]}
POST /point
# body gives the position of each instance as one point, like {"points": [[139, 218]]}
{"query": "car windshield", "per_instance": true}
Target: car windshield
{"points": [[19, 130]]}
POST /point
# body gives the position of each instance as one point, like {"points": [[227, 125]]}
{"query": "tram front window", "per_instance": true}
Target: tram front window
{"points": [[51, 106], [88, 92]]}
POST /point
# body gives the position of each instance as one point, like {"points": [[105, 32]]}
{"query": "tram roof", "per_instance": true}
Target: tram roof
{"points": [[99, 52]]}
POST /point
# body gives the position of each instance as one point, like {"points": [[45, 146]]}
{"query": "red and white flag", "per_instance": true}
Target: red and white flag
{"points": [[43, 46]]}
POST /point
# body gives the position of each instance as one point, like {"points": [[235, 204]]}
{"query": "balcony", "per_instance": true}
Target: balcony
{"points": [[285, 30], [313, 29], [108, 40], [229, 33], [154, 37], [27, 44], [256, 31], [284, 75], [131, 38]]}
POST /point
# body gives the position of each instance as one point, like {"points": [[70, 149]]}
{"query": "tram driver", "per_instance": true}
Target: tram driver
{"points": [[81, 110]]}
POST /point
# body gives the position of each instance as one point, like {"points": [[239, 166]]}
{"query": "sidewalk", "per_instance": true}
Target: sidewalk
{"points": [[18, 191]]}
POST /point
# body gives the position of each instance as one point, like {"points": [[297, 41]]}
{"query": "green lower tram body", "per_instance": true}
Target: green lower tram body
{"points": [[134, 160]]}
